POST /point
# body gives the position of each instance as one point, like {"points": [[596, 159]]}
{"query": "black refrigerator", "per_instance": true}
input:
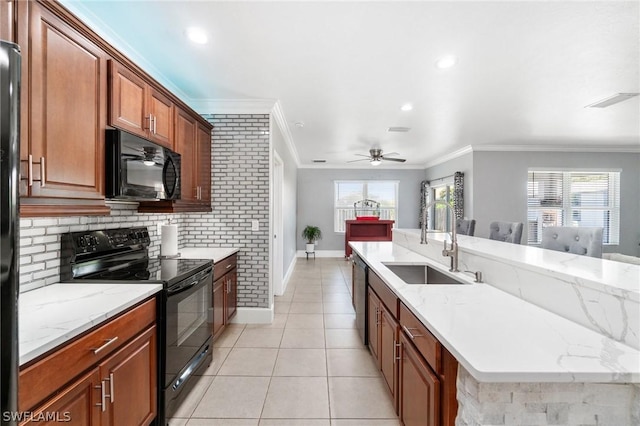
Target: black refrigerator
{"points": [[9, 227]]}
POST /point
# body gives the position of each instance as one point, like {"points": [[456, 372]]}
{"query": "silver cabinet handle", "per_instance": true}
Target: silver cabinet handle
{"points": [[103, 402], [111, 393], [30, 170], [43, 179], [106, 343], [413, 336], [229, 266], [396, 351], [155, 121]]}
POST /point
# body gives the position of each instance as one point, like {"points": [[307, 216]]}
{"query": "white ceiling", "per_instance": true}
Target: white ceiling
{"points": [[525, 70]]}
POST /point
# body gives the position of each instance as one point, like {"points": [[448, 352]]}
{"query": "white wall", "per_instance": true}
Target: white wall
{"points": [[289, 196], [500, 182], [316, 198]]}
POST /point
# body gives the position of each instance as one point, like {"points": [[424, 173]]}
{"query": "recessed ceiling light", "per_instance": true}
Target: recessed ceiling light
{"points": [[446, 61], [197, 35], [406, 107], [299, 124]]}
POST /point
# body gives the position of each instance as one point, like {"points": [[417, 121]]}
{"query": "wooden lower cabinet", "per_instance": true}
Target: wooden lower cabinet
{"points": [[373, 311], [225, 293], [232, 294], [388, 352], [419, 393], [219, 289]]}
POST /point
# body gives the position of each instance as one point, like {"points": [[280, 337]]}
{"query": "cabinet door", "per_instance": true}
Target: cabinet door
{"points": [[419, 388], [204, 164], [373, 323], [231, 302], [161, 124], [130, 377], [389, 330], [75, 405], [6, 19], [185, 143], [219, 311], [127, 100], [66, 76]]}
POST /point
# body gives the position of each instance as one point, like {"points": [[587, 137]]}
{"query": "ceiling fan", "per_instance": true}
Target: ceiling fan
{"points": [[375, 157], [148, 155]]}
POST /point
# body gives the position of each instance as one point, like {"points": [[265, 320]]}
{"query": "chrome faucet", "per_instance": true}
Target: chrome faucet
{"points": [[451, 252]]}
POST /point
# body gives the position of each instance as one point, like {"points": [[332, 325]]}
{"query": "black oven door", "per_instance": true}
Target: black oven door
{"points": [[188, 337]]}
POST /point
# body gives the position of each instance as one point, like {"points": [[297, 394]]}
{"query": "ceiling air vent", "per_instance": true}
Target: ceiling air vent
{"points": [[398, 129], [319, 161], [618, 97]]}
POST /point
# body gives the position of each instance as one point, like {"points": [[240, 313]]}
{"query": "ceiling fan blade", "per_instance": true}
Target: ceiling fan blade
{"points": [[362, 155], [392, 153], [399, 160], [363, 159]]}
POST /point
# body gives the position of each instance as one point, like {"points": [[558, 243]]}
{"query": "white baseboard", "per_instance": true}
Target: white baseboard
{"points": [[253, 316], [322, 253], [287, 276]]}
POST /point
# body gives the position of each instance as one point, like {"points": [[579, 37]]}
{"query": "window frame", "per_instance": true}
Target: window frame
{"points": [[365, 195], [611, 232]]}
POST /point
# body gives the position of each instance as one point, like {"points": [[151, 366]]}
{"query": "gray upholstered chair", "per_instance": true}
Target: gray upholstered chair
{"points": [[509, 232], [465, 226], [573, 239]]}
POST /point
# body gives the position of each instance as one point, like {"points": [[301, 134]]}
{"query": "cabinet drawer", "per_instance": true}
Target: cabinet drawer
{"points": [[225, 265], [42, 378], [425, 342], [384, 293]]}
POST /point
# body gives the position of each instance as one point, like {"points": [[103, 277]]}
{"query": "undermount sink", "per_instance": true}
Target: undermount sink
{"points": [[420, 274]]}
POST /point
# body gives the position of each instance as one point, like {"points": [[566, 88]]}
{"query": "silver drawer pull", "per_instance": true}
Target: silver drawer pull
{"points": [[43, 179], [111, 394], [413, 336], [106, 343], [30, 170], [103, 402], [229, 266]]}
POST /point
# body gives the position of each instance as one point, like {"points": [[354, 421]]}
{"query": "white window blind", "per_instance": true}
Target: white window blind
{"points": [[348, 192], [573, 198]]}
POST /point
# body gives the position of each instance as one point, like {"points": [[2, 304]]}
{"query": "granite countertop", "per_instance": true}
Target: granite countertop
{"points": [[52, 315], [498, 337], [214, 253]]}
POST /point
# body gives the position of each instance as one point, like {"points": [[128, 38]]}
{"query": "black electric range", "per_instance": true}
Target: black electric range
{"points": [[184, 309]]}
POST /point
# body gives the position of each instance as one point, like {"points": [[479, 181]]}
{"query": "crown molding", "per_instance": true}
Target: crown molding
{"points": [[448, 157], [278, 115], [362, 167], [559, 148], [233, 106]]}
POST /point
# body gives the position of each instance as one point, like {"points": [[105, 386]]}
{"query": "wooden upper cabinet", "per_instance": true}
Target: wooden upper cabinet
{"points": [[204, 163], [6, 20], [63, 112], [138, 107], [186, 147]]}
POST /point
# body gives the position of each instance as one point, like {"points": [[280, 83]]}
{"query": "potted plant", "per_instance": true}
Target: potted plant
{"points": [[311, 234]]}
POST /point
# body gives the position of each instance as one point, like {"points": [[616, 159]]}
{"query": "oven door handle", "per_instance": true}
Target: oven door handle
{"points": [[181, 288]]}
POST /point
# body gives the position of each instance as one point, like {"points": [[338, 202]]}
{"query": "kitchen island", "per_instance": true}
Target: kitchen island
{"points": [[522, 361]]}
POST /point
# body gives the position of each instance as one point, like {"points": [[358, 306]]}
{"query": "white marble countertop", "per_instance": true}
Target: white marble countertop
{"points": [[52, 315], [501, 338], [214, 253]]}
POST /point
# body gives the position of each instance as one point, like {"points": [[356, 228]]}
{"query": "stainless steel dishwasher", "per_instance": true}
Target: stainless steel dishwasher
{"points": [[360, 295]]}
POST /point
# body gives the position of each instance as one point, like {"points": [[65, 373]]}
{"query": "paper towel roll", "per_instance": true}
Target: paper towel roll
{"points": [[169, 241]]}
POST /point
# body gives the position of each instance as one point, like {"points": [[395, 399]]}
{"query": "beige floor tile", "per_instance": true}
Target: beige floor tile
{"points": [[308, 289], [301, 362], [308, 297], [223, 422], [336, 298], [260, 338], [279, 321], [338, 308], [343, 338], [286, 297], [305, 321], [193, 399], [306, 308], [351, 363], [233, 397], [335, 289], [339, 320], [303, 338], [219, 355], [295, 422], [177, 422], [281, 307], [297, 397], [229, 336], [365, 422], [249, 362], [359, 398]]}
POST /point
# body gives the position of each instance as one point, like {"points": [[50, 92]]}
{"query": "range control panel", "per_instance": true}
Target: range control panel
{"points": [[108, 239]]}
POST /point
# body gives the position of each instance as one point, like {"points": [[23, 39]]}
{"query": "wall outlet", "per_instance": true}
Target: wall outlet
{"points": [[255, 225]]}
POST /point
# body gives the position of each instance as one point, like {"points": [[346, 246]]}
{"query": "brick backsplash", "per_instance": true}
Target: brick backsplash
{"points": [[515, 404], [240, 194]]}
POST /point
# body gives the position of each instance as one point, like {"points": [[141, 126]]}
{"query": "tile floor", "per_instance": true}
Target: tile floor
{"points": [[307, 368]]}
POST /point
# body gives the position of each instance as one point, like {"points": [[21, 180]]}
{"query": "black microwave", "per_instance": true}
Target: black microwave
{"points": [[140, 170]]}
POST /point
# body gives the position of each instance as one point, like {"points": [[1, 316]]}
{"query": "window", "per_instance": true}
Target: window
{"points": [[573, 198], [438, 217], [348, 192]]}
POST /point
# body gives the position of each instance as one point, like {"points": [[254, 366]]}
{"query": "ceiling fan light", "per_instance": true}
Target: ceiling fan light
{"points": [[375, 161], [148, 162]]}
